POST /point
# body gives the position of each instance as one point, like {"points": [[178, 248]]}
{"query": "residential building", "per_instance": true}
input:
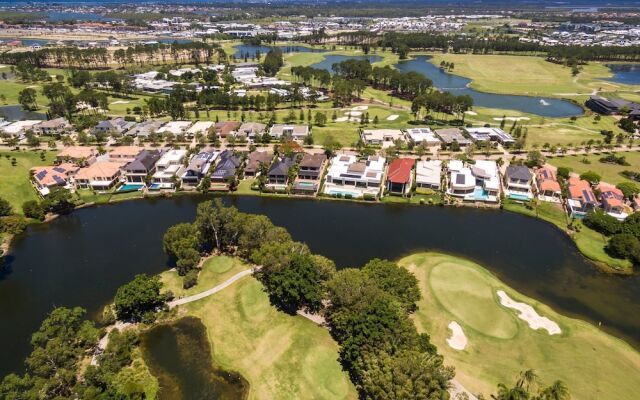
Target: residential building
{"points": [[278, 174], [475, 182], [309, 173], [116, 125], [581, 198], [548, 185], [400, 176], [99, 176], [250, 130], [144, 129], [53, 127], [78, 155], [381, 137], [451, 135], [485, 134], [175, 127], [168, 167], [295, 132], [200, 127], [423, 135], [613, 202], [227, 166], [517, 182], [255, 161], [198, 167], [605, 106], [44, 178], [223, 129], [429, 174], [348, 176], [19, 128], [143, 166], [125, 154]]}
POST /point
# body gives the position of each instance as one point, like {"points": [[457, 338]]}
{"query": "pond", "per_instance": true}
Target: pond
{"points": [[458, 85], [17, 113], [331, 59], [250, 50], [81, 259], [179, 355], [628, 74]]}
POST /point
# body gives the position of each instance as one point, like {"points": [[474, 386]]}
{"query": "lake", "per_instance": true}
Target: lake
{"points": [[81, 259], [179, 355], [628, 74], [458, 85], [250, 50], [17, 113], [331, 59]]}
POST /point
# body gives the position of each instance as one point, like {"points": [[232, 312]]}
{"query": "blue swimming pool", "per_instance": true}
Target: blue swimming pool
{"points": [[480, 194], [343, 193], [517, 196], [130, 187], [154, 186]]}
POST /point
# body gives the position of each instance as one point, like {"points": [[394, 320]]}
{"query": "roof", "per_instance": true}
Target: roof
{"points": [[256, 158], [520, 172], [294, 130], [581, 190], [54, 123], [125, 151], [76, 152], [450, 135], [313, 160], [400, 170], [144, 161], [103, 169], [53, 176], [200, 127], [224, 128], [428, 171]]}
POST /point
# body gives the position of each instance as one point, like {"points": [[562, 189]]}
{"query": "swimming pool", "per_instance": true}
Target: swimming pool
{"points": [[518, 196], [130, 187], [480, 194], [343, 193]]}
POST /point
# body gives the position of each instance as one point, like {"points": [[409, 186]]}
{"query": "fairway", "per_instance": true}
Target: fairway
{"points": [[611, 173], [593, 364], [281, 356]]}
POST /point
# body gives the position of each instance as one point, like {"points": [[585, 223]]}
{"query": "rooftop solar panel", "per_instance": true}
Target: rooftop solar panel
{"points": [[459, 179], [59, 169]]}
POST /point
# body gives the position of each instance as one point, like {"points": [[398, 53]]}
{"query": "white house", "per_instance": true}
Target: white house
{"points": [[428, 174], [475, 182], [381, 136], [423, 135], [175, 127], [167, 168], [347, 176]]}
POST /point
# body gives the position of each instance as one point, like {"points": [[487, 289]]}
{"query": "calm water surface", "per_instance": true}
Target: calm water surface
{"points": [[331, 59], [179, 355], [250, 50], [81, 259], [546, 107], [17, 113], [628, 74]]}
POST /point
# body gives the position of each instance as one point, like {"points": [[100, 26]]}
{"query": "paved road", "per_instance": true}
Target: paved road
{"points": [[213, 290]]}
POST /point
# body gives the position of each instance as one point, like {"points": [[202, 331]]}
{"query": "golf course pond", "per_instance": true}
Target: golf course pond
{"points": [[82, 258], [179, 355]]}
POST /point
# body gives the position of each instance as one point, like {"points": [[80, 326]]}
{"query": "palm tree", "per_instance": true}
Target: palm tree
{"points": [[557, 391], [527, 379]]}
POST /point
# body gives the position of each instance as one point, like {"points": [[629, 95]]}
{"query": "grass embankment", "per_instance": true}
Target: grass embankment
{"points": [[281, 356], [15, 186], [590, 243], [610, 173], [592, 363]]}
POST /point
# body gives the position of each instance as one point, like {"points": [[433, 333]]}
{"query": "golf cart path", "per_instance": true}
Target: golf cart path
{"points": [[213, 290]]}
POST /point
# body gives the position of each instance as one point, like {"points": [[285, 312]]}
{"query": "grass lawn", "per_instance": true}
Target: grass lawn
{"points": [[593, 364], [281, 356], [15, 186], [526, 75], [610, 173]]}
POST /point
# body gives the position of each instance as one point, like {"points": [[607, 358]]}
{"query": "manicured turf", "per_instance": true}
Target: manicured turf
{"points": [[14, 180], [281, 356], [610, 173], [592, 363]]}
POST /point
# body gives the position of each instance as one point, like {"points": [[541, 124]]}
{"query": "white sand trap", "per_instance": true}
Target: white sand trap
{"points": [[471, 112], [513, 119], [342, 119], [529, 315], [458, 339], [353, 113], [393, 117], [360, 108], [121, 102]]}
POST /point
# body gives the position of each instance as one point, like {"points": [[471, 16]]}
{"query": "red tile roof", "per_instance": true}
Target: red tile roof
{"points": [[400, 170]]}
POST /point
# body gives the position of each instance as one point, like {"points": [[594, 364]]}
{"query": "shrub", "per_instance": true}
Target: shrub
{"points": [[33, 209], [564, 172], [190, 279], [591, 177], [12, 224], [5, 208], [624, 245], [602, 222]]}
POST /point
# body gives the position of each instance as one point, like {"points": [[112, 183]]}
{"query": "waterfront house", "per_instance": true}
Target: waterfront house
{"points": [[19, 128], [295, 132], [400, 176], [142, 166], [54, 127], [613, 201], [428, 174], [223, 129], [309, 173], [423, 135], [99, 176], [200, 127], [278, 174], [175, 127], [581, 198], [125, 154], [381, 137], [227, 166], [115, 125], [198, 167], [517, 182], [475, 182], [78, 155], [255, 161], [484, 134], [250, 130], [144, 129], [452, 135], [44, 178], [168, 167], [548, 185], [348, 176]]}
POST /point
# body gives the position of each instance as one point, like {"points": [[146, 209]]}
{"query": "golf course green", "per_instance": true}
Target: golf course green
{"points": [[593, 364]]}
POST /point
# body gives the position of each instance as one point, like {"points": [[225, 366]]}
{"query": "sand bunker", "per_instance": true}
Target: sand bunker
{"points": [[392, 117], [471, 112], [513, 119], [360, 108], [121, 102], [353, 113], [458, 339], [529, 315], [342, 119]]}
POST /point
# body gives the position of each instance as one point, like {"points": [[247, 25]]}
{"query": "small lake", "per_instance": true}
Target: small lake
{"points": [[250, 50], [179, 355], [82, 258], [628, 74], [458, 85], [17, 113], [331, 59]]}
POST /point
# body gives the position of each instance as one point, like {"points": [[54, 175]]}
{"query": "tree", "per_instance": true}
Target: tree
{"points": [[5, 208], [564, 172], [28, 98], [58, 201], [602, 222], [528, 386], [592, 177], [138, 299], [320, 119], [33, 209], [535, 159], [629, 189], [394, 280], [624, 245]]}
